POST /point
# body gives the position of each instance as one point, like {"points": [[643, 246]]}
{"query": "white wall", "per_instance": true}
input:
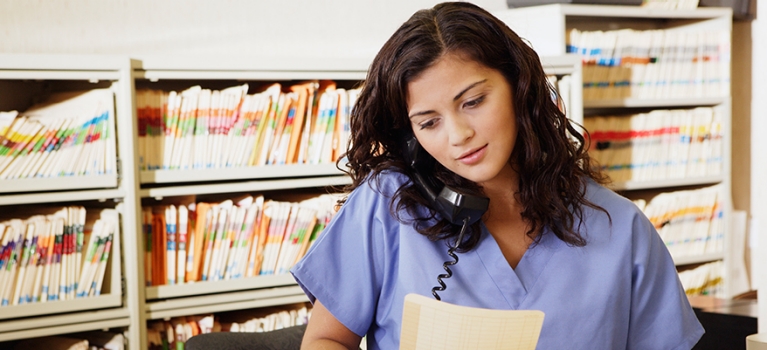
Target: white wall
{"points": [[327, 28]]}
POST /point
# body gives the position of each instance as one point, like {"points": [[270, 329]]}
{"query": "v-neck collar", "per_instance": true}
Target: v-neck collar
{"points": [[514, 284]]}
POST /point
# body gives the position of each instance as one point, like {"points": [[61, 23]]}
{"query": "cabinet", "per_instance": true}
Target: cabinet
{"points": [[550, 29], [159, 186], [24, 81]]}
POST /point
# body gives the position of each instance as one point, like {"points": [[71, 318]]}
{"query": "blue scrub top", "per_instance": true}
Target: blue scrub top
{"points": [[620, 291]]}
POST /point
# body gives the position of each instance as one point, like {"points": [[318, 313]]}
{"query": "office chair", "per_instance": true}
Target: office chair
{"points": [[282, 339]]}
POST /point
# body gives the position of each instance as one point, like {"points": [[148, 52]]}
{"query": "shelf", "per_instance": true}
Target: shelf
{"points": [[91, 76], [92, 68], [545, 26], [64, 196], [698, 259], [156, 75], [60, 306], [225, 302], [200, 288], [239, 173], [264, 68], [245, 186], [639, 12], [50, 64], [648, 103], [561, 65], [69, 323], [643, 185], [58, 183]]}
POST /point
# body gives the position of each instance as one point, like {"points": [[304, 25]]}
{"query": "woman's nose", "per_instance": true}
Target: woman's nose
{"points": [[460, 131]]}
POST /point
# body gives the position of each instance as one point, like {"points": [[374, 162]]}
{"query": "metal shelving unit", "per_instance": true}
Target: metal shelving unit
{"points": [[26, 76], [546, 28], [163, 302]]}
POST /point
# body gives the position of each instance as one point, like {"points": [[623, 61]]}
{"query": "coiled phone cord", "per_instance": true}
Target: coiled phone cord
{"points": [[447, 264]]}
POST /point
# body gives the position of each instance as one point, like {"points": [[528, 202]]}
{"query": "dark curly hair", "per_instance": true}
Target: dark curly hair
{"points": [[549, 154]]}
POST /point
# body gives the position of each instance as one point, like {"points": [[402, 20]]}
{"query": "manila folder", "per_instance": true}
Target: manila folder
{"points": [[431, 324]]}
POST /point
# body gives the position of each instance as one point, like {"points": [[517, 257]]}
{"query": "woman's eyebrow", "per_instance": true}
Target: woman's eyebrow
{"points": [[467, 89], [458, 96]]}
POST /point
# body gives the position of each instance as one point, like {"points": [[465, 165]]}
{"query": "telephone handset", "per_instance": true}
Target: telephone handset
{"points": [[457, 207], [450, 203]]}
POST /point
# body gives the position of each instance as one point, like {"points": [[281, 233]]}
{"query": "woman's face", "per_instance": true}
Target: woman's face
{"points": [[462, 114]]}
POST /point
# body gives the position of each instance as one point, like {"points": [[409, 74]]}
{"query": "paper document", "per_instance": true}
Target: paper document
{"points": [[431, 324]]}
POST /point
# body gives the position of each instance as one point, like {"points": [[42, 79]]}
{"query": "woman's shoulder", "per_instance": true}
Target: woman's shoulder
{"points": [[618, 207], [386, 183], [615, 219], [377, 190]]}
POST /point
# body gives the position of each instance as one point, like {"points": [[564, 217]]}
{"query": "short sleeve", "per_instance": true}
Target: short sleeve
{"points": [[661, 315], [344, 268]]}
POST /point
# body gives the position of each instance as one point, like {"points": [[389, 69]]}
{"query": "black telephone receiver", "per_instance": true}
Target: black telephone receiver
{"points": [[458, 208], [452, 204]]}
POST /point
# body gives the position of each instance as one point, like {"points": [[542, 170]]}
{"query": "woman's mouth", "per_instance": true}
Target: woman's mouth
{"points": [[473, 156]]}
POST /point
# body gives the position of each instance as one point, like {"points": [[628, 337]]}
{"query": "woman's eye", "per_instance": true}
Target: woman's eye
{"points": [[474, 102], [427, 124]]}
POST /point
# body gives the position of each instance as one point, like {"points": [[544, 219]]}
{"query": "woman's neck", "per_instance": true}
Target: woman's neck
{"points": [[503, 218], [502, 192]]}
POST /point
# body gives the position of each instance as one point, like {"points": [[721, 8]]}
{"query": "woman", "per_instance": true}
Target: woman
{"points": [[476, 98]]}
